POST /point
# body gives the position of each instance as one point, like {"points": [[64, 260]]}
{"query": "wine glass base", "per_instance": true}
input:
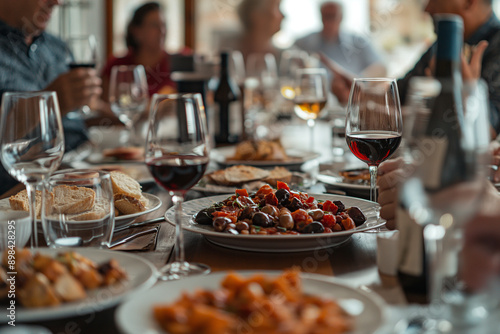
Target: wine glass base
{"points": [[177, 270]]}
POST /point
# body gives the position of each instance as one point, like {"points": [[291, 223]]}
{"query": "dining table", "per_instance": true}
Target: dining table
{"points": [[353, 263]]}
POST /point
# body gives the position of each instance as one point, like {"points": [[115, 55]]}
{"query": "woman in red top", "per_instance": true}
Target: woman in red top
{"points": [[145, 39]]}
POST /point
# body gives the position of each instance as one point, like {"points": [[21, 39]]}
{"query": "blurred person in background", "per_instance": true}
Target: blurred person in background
{"points": [[33, 60], [480, 24], [145, 39], [355, 53], [261, 20]]}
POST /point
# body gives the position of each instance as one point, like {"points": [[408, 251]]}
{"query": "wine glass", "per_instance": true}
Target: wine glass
{"points": [[32, 141], [291, 62], [311, 96], [128, 95], [177, 154], [82, 52], [462, 289], [373, 124]]}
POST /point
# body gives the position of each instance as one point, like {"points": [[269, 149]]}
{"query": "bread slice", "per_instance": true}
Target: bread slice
{"points": [[278, 174], [125, 185], [127, 205], [99, 211], [241, 174], [73, 199], [20, 201]]}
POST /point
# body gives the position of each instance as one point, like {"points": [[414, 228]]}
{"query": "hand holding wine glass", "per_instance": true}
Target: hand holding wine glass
{"points": [[374, 124], [177, 154], [128, 95], [311, 96], [32, 140]]}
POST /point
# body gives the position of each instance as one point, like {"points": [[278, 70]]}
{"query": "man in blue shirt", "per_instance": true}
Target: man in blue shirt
{"points": [[353, 52], [33, 60]]}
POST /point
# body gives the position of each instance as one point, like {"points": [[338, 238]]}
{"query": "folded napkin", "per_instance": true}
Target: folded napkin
{"points": [[143, 238]]}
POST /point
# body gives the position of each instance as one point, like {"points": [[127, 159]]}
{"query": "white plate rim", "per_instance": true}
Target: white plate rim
{"points": [[91, 303], [149, 197], [148, 299], [120, 220], [193, 227], [220, 155]]}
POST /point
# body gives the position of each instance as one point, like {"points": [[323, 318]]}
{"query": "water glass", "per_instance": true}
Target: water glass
{"points": [[15, 229], [78, 209]]}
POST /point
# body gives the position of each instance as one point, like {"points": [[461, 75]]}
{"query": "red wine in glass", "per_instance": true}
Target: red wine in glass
{"points": [[178, 173], [373, 147]]}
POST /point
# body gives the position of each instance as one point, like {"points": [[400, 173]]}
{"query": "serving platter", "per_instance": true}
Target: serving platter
{"points": [[277, 243], [136, 314]]}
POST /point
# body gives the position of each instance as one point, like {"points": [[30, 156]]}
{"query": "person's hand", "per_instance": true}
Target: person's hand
{"points": [[390, 176], [342, 80], [471, 70], [495, 160], [76, 88]]}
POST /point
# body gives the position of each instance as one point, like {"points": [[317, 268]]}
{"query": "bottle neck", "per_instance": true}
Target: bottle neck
{"points": [[224, 65]]}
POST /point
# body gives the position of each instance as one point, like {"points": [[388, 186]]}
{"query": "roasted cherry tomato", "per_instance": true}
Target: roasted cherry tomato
{"points": [[271, 199], [242, 192], [329, 220], [282, 185], [330, 207], [264, 190]]}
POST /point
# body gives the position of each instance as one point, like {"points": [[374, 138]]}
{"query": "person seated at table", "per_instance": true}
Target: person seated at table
{"points": [[353, 52], [260, 20], [145, 39], [480, 24], [33, 60]]}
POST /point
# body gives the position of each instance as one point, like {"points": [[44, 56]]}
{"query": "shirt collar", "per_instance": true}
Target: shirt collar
{"points": [[483, 31], [6, 29]]}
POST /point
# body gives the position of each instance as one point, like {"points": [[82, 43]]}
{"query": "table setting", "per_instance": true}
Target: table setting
{"points": [[127, 232]]}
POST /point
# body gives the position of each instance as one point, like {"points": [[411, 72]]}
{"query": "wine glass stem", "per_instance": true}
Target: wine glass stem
{"points": [[179, 256], [373, 182], [310, 124], [31, 190]]}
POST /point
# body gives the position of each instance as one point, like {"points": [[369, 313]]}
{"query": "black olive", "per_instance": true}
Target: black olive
{"points": [[294, 205], [204, 217], [282, 195], [262, 219], [314, 227], [247, 213], [340, 205], [356, 215], [220, 223]]}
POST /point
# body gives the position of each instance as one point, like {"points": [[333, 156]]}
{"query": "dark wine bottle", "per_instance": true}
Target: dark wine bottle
{"points": [[443, 162], [227, 106]]}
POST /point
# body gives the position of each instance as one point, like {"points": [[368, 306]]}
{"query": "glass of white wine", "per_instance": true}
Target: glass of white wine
{"points": [[311, 96], [291, 61]]}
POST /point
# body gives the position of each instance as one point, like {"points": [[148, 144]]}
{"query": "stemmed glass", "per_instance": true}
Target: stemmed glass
{"points": [[291, 62], [32, 141], [82, 52], [374, 124], [462, 286], [311, 96], [128, 95], [177, 154]]}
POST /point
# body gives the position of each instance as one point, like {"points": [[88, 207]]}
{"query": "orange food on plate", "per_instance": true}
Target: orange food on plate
{"points": [[254, 305]]}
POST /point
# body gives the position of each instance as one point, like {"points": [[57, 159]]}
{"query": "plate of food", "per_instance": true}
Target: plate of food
{"points": [[354, 181], [263, 154], [279, 220], [227, 180], [117, 155], [62, 283], [130, 202], [252, 302]]}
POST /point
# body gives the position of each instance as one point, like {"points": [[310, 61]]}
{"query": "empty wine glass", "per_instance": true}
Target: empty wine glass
{"points": [[291, 62], [128, 95], [177, 155], [32, 141], [82, 52], [311, 96], [373, 125]]}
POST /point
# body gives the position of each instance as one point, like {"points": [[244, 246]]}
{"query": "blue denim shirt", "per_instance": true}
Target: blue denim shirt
{"points": [[31, 68], [490, 71]]}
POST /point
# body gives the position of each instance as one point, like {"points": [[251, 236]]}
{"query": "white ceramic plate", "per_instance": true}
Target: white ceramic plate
{"points": [[154, 204], [276, 243], [297, 158], [136, 316], [338, 181], [141, 276]]}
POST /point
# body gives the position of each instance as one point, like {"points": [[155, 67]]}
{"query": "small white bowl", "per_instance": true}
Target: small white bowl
{"points": [[20, 232]]}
